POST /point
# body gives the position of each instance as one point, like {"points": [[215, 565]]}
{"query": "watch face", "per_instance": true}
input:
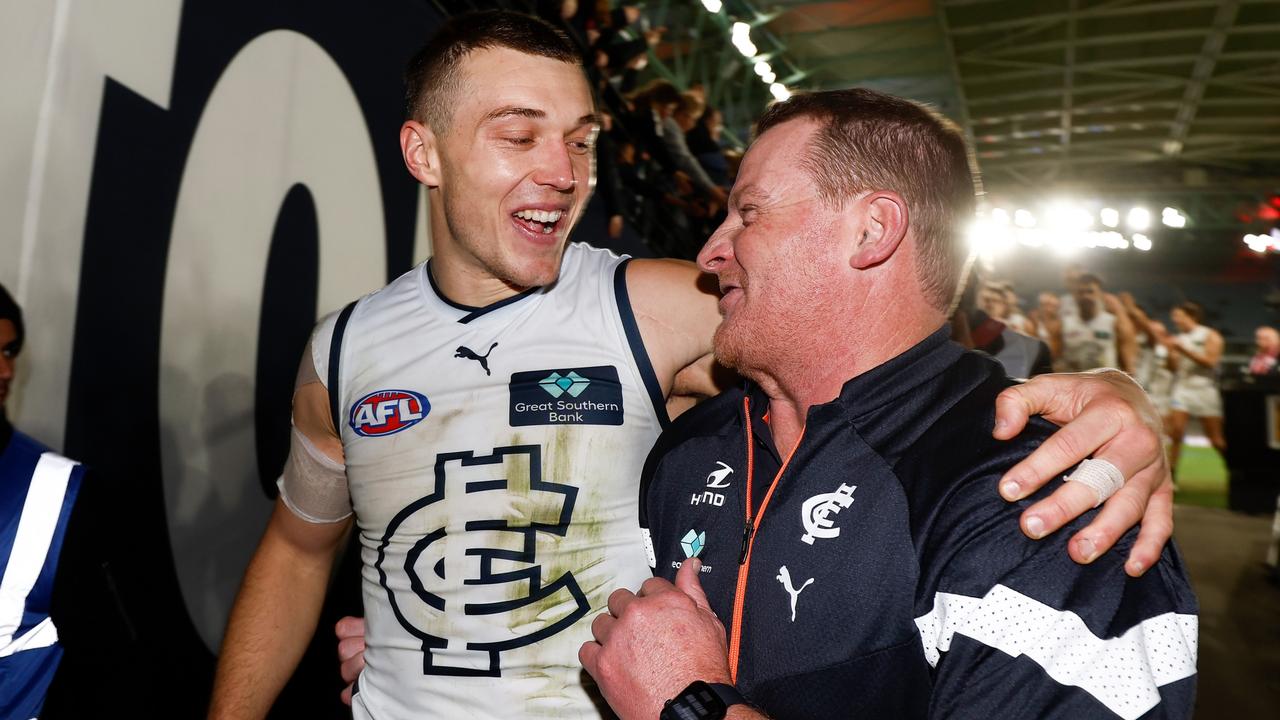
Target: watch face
{"points": [[696, 702]]}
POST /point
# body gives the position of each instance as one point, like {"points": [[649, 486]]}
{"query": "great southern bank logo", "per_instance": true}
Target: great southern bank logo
{"points": [[387, 412], [556, 384]]}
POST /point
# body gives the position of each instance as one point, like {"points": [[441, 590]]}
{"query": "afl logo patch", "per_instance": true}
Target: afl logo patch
{"points": [[387, 412]]}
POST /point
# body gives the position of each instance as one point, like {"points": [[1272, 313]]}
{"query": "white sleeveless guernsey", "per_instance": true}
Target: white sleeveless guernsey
{"points": [[1088, 344], [494, 458]]}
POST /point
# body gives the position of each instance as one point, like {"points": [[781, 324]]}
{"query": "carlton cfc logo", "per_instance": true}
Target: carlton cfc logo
{"points": [[387, 412]]}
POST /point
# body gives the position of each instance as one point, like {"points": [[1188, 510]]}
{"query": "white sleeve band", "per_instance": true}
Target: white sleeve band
{"points": [[313, 485]]}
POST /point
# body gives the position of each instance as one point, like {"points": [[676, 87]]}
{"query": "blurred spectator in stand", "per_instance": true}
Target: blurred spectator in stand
{"points": [[1015, 319], [674, 128], [704, 142], [1047, 308], [1196, 352], [1266, 361], [1021, 355]]}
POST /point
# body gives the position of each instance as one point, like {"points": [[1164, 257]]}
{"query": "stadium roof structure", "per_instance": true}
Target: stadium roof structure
{"points": [[1173, 100]]}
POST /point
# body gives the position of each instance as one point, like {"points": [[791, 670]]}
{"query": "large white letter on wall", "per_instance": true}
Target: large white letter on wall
{"points": [[281, 114]]}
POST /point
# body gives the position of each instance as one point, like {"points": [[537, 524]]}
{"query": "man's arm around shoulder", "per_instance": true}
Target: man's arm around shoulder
{"points": [[1015, 627], [677, 309]]}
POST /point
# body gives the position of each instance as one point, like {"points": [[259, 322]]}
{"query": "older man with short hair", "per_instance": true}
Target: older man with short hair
{"points": [[829, 526]]}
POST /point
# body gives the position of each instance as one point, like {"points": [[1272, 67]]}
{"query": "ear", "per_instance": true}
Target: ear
{"points": [[421, 152], [880, 230]]}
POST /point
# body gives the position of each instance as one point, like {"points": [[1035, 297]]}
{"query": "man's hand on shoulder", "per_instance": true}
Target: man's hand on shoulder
{"points": [[1104, 415], [649, 646]]}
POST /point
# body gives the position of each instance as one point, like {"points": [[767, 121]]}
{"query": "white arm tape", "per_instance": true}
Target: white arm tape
{"points": [[313, 485]]}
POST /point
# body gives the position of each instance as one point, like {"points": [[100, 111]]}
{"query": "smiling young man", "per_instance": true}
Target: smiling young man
{"points": [[496, 500]]}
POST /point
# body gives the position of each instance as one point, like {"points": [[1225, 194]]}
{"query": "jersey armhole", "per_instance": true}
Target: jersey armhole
{"points": [[636, 342]]}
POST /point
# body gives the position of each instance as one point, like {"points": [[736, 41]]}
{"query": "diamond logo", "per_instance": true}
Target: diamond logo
{"points": [[556, 384], [693, 542]]}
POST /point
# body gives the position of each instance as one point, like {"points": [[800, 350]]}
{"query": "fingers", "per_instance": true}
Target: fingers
{"points": [[350, 669], [350, 647], [687, 582], [1065, 504], [1013, 409], [1157, 528], [349, 626], [1066, 447], [346, 695], [619, 600], [589, 656], [602, 626]]}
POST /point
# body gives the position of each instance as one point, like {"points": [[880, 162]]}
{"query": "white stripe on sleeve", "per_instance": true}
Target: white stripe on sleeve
{"points": [[40, 512], [1123, 673]]}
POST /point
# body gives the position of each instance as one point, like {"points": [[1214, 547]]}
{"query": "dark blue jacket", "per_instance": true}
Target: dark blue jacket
{"points": [[915, 592]]}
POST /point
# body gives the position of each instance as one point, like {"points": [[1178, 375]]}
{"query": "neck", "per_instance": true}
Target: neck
{"points": [[816, 367], [460, 275]]}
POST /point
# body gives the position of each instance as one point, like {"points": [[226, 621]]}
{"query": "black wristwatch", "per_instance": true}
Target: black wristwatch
{"points": [[702, 701]]}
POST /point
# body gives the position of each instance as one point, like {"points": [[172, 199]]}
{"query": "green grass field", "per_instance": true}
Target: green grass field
{"points": [[1202, 478]]}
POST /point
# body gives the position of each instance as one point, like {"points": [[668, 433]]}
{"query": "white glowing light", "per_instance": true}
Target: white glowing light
{"points": [[1110, 217], [780, 91], [999, 216], [763, 68], [1024, 218], [769, 78], [1139, 218], [1258, 243], [741, 38], [1171, 217], [712, 6], [1141, 242], [1063, 215]]}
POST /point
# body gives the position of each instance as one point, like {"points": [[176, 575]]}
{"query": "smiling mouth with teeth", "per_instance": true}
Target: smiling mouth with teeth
{"points": [[543, 221]]}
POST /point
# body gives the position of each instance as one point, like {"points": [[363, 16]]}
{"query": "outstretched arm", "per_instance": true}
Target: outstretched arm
{"points": [[1105, 415]]}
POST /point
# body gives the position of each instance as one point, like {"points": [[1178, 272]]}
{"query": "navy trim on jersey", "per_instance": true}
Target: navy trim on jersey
{"points": [[475, 312], [335, 356], [634, 339]]}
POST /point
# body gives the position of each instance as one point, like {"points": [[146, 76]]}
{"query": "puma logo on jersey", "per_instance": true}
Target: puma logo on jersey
{"points": [[468, 354], [387, 412]]}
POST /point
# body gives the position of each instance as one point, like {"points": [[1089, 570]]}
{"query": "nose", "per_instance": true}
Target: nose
{"points": [[718, 249], [6, 367], [555, 168]]}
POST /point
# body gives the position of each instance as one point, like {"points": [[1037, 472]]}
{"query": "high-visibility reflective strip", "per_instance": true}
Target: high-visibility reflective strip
{"points": [[40, 513]]}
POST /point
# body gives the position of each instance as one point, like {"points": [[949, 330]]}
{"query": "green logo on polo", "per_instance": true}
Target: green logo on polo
{"points": [[693, 542], [556, 384]]}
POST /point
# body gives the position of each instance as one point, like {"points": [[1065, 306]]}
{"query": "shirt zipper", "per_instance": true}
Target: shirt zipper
{"points": [[750, 528]]}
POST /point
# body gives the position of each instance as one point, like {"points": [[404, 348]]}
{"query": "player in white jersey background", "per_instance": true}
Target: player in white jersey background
{"points": [[1196, 351], [1092, 337], [494, 408]]}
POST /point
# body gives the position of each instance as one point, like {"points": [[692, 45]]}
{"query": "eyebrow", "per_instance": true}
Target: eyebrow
{"points": [[533, 114]]}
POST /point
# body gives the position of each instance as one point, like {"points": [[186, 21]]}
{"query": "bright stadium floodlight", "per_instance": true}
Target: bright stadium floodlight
{"points": [[780, 91], [1172, 218], [1141, 242], [1256, 243], [1000, 217], [769, 78], [1109, 217], [763, 68], [1024, 218], [1139, 218], [712, 6]]}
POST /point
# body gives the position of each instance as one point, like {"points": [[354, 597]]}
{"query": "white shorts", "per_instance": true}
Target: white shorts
{"points": [[1197, 396]]}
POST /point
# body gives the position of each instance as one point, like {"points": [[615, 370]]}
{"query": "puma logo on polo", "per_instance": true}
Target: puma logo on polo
{"points": [[467, 353]]}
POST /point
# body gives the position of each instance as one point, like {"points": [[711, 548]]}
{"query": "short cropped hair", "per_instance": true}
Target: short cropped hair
{"points": [[1192, 309], [434, 77], [872, 141], [10, 311]]}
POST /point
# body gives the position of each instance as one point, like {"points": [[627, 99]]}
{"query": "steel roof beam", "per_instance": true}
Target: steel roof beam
{"points": [[1051, 18], [1201, 74], [975, 167]]}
